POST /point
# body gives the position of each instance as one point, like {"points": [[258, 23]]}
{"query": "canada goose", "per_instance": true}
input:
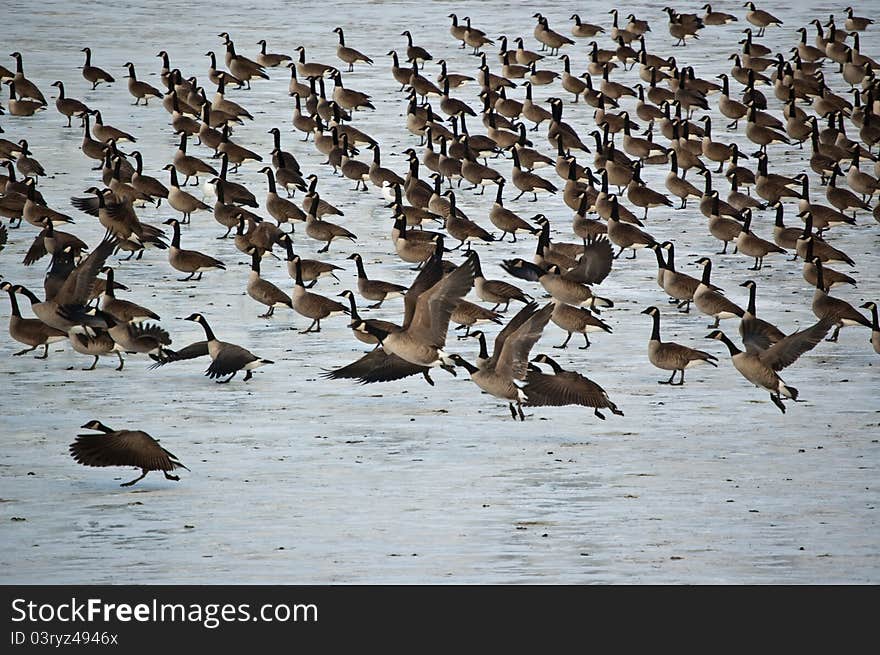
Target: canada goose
{"points": [[843, 199], [772, 187], [347, 54], [25, 87], [241, 67], [62, 310], [462, 228], [189, 261], [475, 38], [525, 57], [584, 30], [263, 291], [576, 319], [760, 18], [467, 314], [93, 74], [232, 111], [20, 106], [270, 60], [625, 235], [875, 326], [138, 89], [233, 191], [27, 165], [839, 312], [237, 154], [281, 209], [716, 17], [751, 245], [322, 230], [415, 247], [30, 331], [784, 237], [861, 182], [68, 107], [678, 186], [415, 54], [310, 269], [756, 333], [181, 200], [123, 311], [37, 214], [505, 374], [511, 70], [118, 218], [123, 448], [682, 27], [568, 291], [379, 176], [565, 388], [641, 195], [226, 358], [710, 301], [671, 356], [376, 290], [550, 39], [106, 133], [532, 111], [429, 304], [455, 79], [855, 23], [677, 285], [495, 291], [190, 166], [504, 219]]}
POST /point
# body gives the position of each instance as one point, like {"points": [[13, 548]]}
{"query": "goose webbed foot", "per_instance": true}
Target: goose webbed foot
{"points": [[143, 475], [778, 402]]}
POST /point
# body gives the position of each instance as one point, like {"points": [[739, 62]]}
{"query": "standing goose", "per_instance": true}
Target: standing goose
{"points": [[723, 228], [839, 312], [322, 230], [312, 305], [106, 133], [474, 37], [716, 17], [760, 18], [642, 195], [875, 325], [268, 59], [353, 169], [565, 388], [495, 291], [468, 314], [843, 199], [626, 235], [190, 166], [855, 23], [123, 311], [455, 79], [144, 183], [751, 245], [49, 241], [415, 54], [138, 89], [281, 209], [709, 300], [30, 331], [462, 228], [237, 154], [25, 87], [263, 291], [678, 186], [671, 356], [189, 261], [68, 107], [136, 448], [310, 269], [528, 182], [415, 247], [375, 290], [241, 67], [584, 30], [93, 74], [379, 176], [226, 358], [676, 284], [785, 237], [347, 54], [549, 38], [534, 112], [505, 220], [181, 200], [568, 291], [577, 319], [362, 336]]}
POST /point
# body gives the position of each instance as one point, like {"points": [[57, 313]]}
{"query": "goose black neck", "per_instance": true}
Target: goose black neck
{"points": [[470, 368], [17, 313], [209, 333], [707, 272], [731, 347], [752, 293], [362, 274]]}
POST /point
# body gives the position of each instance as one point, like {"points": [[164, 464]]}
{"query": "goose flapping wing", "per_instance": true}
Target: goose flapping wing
{"points": [[785, 352], [513, 359], [434, 307]]}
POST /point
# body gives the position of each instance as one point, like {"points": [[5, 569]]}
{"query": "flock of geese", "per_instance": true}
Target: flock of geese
{"points": [[784, 96]]}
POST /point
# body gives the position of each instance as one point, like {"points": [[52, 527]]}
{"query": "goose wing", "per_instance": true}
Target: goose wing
{"points": [[434, 307], [229, 359], [123, 448], [785, 352], [513, 360], [192, 351], [77, 288], [595, 264], [376, 366]]}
